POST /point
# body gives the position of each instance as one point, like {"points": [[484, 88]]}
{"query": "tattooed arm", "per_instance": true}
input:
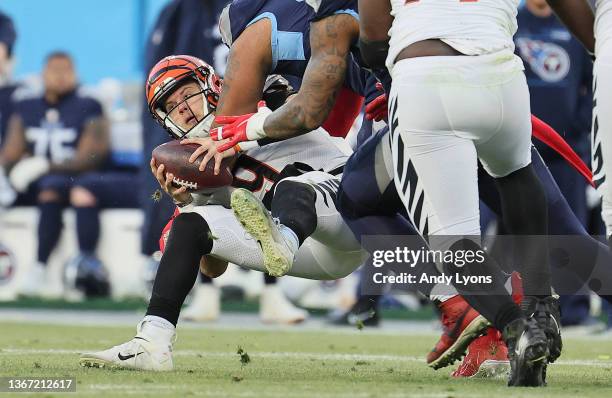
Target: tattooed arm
{"points": [[330, 42]]}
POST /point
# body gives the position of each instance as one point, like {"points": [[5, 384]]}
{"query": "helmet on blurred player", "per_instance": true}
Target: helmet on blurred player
{"points": [[182, 94]]}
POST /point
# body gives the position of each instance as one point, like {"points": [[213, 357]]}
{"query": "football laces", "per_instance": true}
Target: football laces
{"points": [[185, 183]]}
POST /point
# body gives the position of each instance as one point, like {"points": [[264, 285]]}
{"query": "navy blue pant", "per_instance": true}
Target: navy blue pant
{"points": [[110, 189], [363, 198]]}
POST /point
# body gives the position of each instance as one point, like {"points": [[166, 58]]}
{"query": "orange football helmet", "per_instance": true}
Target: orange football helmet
{"points": [[169, 74]]}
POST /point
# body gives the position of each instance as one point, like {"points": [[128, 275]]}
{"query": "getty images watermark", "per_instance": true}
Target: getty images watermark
{"points": [[407, 257], [579, 264]]}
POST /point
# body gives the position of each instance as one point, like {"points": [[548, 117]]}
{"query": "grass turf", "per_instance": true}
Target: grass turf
{"points": [[349, 364]]}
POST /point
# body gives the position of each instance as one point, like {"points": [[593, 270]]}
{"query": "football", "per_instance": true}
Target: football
{"points": [[175, 156]]}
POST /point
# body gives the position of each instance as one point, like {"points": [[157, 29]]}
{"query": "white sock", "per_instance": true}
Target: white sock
{"points": [[158, 328], [290, 237]]}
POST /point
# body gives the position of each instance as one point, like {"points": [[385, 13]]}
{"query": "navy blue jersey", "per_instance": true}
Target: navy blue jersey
{"points": [[559, 75], [290, 40], [325, 8], [6, 108], [53, 131]]}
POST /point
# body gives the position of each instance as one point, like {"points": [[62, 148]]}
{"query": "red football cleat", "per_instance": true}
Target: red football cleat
{"points": [[487, 357], [461, 324]]}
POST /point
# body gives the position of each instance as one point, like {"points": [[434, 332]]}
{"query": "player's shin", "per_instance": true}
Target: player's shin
{"points": [[294, 206], [488, 296], [525, 215], [189, 240]]}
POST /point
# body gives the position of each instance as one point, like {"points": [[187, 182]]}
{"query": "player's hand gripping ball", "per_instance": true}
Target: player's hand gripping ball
{"points": [[175, 157]]}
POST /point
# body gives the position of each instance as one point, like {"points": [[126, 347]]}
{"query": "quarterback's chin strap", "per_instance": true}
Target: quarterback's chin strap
{"points": [[550, 137]]}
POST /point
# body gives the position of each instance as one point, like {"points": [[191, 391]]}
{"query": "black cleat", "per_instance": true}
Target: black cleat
{"points": [[527, 351], [546, 312], [364, 312]]}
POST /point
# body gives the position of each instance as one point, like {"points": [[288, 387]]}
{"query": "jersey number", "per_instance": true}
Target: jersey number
{"points": [[52, 142], [261, 171]]}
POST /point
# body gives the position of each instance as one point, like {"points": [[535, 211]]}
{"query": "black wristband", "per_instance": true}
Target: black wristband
{"points": [[374, 53]]}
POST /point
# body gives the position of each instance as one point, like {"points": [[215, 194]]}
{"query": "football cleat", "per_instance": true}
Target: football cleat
{"points": [[274, 307], [546, 312], [142, 352], [205, 305], [487, 357], [35, 284], [364, 312], [257, 221], [461, 324], [527, 351]]}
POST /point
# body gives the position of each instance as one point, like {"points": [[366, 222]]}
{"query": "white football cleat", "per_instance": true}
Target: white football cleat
{"points": [[205, 305], [257, 221], [274, 307], [143, 352], [36, 281]]}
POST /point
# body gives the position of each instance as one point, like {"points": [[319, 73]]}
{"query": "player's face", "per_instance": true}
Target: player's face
{"points": [[59, 76], [185, 105]]}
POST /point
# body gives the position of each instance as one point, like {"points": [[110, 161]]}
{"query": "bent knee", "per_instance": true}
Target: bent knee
{"points": [[82, 197], [48, 195]]}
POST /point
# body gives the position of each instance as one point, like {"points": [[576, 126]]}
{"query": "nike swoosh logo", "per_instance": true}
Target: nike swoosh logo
{"points": [[126, 357]]}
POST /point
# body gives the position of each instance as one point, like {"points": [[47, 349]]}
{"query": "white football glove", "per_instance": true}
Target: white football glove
{"points": [[27, 171], [7, 193]]}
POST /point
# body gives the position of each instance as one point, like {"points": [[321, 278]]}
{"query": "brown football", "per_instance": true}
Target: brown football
{"points": [[175, 157]]}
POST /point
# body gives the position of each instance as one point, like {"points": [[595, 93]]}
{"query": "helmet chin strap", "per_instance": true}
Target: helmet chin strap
{"points": [[202, 129]]}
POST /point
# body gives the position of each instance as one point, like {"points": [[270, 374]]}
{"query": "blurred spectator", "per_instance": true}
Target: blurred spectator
{"points": [[559, 75], [7, 88], [7, 41], [191, 27], [55, 143]]}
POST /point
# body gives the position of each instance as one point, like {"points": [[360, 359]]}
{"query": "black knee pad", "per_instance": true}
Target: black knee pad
{"points": [[294, 205], [293, 194]]}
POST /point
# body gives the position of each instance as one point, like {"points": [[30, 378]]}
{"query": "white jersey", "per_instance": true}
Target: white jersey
{"points": [[257, 169], [472, 27], [603, 23]]}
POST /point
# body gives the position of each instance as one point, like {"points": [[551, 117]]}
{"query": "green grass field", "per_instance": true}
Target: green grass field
{"points": [[349, 364]]}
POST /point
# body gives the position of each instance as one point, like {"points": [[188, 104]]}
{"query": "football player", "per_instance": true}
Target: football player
{"points": [[324, 62], [414, 44], [182, 93], [312, 41], [7, 90], [332, 31], [57, 145]]}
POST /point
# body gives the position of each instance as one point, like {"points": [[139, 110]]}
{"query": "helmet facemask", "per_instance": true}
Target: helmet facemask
{"points": [[172, 119]]}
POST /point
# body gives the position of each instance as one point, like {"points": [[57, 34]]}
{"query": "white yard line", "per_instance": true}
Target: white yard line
{"points": [[166, 389], [293, 355]]}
